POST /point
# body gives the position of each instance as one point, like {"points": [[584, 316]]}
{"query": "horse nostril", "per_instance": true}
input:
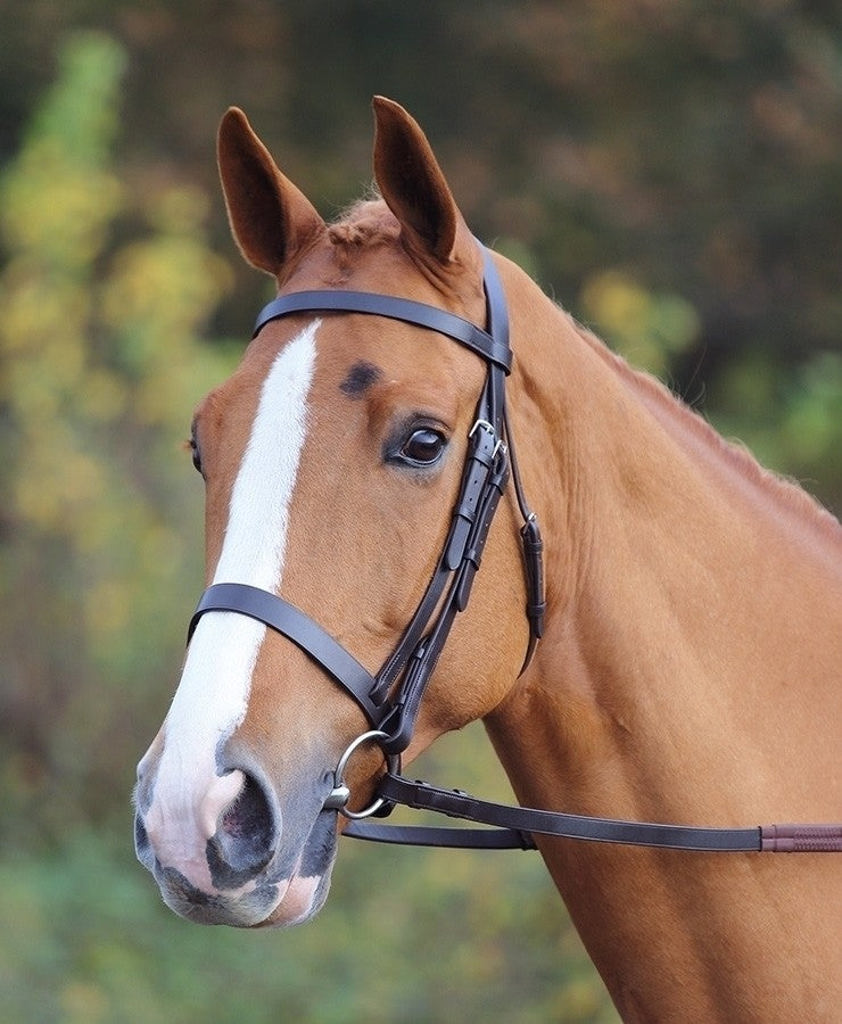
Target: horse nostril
{"points": [[248, 817], [246, 837], [142, 845]]}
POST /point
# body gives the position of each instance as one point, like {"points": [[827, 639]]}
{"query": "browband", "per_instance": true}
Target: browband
{"points": [[495, 350]]}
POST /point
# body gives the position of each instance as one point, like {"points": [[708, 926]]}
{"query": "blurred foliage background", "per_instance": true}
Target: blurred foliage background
{"points": [[670, 170]]}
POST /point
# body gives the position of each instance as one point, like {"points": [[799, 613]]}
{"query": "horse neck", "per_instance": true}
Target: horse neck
{"points": [[689, 674]]}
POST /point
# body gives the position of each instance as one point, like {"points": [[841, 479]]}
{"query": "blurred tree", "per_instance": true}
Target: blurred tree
{"points": [[693, 149], [100, 363]]}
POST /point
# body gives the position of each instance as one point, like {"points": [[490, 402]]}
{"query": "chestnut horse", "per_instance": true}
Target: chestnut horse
{"points": [[689, 670]]}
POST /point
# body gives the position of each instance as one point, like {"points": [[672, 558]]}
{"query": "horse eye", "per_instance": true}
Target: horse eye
{"points": [[195, 454], [423, 447]]}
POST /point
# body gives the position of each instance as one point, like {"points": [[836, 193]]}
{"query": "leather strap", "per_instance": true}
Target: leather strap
{"points": [[304, 632], [493, 349], [513, 827], [442, 838], [517, 820]]}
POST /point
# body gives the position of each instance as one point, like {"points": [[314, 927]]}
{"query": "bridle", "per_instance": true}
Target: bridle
{"points": [[391, 699]]}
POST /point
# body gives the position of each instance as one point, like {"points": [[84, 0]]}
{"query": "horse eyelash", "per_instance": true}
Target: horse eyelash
{"points": [[191, 445]]}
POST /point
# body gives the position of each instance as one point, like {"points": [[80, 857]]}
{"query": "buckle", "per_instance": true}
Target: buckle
{"points": [[481, 425]]}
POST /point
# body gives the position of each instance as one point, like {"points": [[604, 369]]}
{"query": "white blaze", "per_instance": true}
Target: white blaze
{"points": [[212, 696]]}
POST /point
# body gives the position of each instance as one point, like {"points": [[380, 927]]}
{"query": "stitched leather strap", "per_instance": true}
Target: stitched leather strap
{"points": [[801, 838], [422, 796], [513, 827]]}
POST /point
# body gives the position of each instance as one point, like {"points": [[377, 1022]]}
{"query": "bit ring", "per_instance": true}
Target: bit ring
{"points": [[340, 795]]}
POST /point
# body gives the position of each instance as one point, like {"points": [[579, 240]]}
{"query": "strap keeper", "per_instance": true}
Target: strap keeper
{"points": [[533, 549], [480, 463]]}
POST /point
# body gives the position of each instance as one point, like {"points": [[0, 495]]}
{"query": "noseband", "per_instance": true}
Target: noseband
{"points": [[391, 699]]}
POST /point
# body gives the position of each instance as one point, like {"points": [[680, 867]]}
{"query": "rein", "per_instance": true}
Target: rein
{"points": [[513, 827], [391, 699]]}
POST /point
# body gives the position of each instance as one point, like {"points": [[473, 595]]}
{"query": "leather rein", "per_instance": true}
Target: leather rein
{"points": [[391, 699]]}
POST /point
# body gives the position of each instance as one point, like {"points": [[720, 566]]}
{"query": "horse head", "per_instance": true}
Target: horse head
{"points": [[333, 459]]}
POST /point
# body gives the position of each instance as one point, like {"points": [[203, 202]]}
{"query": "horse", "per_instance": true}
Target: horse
{"points": [[677, 663]]}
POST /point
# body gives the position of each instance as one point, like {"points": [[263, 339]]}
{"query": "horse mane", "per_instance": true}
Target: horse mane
{"points": [[787, 491]]}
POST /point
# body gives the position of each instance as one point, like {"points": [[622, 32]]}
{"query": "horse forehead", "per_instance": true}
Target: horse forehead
{"points": [[360, 256], [374, 261], [365, 364]]}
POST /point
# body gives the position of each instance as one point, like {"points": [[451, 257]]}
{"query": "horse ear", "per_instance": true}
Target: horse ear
{"points": [[413, 185], [271, 220]]}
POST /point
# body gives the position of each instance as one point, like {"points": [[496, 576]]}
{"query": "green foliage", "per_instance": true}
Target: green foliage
{"points": [[101, 362], [792, 421], [649, 330]]}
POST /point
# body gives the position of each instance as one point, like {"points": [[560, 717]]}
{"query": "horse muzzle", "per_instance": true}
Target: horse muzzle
{"points": [[223, 853]]}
